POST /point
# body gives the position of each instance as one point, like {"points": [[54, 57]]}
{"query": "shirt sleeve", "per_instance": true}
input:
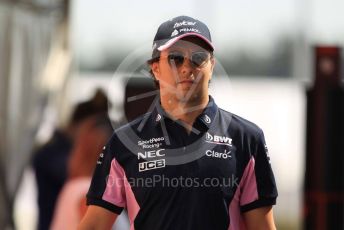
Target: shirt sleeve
{"points": [[107, 185], [259, 187]]}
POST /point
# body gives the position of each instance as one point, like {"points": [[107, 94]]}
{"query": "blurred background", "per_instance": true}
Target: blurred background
{"points": [[60, 58]]}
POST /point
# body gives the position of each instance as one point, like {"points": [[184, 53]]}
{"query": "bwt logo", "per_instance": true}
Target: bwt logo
{"points": [[219, 140], [151, 154], [209, 137]]}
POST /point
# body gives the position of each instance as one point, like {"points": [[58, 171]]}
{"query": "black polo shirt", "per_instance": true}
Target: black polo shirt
{"points": [[169, 179]]}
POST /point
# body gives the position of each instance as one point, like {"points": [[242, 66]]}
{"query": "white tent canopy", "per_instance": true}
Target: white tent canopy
{"points": [[33, 40]]}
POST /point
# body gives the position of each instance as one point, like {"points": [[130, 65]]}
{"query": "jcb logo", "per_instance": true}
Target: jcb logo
{"points": [[148, 165]]}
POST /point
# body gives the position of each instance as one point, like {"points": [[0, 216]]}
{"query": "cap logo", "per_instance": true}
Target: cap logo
{"points": [[183, 23], [189, 30], [174, 33]]}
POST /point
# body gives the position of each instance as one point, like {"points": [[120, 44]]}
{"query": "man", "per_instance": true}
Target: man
{"points": [[175, 173]]}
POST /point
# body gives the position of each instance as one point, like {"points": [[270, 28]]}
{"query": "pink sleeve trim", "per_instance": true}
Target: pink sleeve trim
{"points": [[249, 191], [118, 191], [245, 193]]}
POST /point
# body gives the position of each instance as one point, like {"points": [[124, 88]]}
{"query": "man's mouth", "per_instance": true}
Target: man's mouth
{"points": [[186, 82]]}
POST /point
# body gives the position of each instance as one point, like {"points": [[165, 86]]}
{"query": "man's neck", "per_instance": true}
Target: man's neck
{"points": [[187, 111]]}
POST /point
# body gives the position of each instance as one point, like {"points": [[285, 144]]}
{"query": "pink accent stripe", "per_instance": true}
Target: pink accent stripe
{"points": [[245, 193], [114, 191], [174, 40], [132, 205], [249, 186], [118, 192]]}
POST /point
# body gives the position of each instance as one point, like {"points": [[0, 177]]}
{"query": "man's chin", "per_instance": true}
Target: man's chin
{"points": [[184, 97]]}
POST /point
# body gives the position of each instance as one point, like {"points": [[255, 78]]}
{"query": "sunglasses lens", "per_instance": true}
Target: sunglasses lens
{"points": [[198, 59], [176, 59]]}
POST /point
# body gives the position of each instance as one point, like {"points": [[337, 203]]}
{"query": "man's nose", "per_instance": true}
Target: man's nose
{"points": [[187, 67]]}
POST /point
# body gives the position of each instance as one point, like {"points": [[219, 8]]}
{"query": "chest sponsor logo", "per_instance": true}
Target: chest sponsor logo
{"points": [[218, 140], [150, 154], [154, 142], [224, 155], [149, 165]]}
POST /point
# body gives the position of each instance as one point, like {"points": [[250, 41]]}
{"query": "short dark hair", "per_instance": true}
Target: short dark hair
{"points": [[155, 58]]}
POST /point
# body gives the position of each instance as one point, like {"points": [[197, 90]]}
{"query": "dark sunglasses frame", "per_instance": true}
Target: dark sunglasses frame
{"points": [[198, 59], [176, 58]]}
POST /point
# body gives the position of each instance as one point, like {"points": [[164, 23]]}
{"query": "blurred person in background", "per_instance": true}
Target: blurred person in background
{"points": [[50, 160], [143, 158], [71, 204]]}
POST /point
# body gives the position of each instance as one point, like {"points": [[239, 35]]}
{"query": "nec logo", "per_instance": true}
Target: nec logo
{"points": [[150, 154], [149, 165], [219, 140]]}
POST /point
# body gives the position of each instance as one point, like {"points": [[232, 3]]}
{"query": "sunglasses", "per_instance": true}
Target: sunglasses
{"points": [[197, 59]]}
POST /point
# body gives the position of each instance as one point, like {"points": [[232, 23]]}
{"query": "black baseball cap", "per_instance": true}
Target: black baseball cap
{"points": [[177, 28]]}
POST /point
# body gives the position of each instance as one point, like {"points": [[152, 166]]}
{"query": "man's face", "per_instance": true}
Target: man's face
{"points": [[184, 70]]}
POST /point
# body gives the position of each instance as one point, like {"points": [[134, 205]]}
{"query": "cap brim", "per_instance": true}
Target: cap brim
{"points": [[170, 42]]}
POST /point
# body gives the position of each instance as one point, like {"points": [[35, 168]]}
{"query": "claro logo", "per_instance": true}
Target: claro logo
{"points": [[224, 155], [217, 139]]}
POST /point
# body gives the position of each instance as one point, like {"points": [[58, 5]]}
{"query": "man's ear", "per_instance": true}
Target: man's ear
{"points": [[212, 61], [156, 70]]}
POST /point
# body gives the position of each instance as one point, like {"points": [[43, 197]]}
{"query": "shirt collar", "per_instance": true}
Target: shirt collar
{"points": [[206, 118]]}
